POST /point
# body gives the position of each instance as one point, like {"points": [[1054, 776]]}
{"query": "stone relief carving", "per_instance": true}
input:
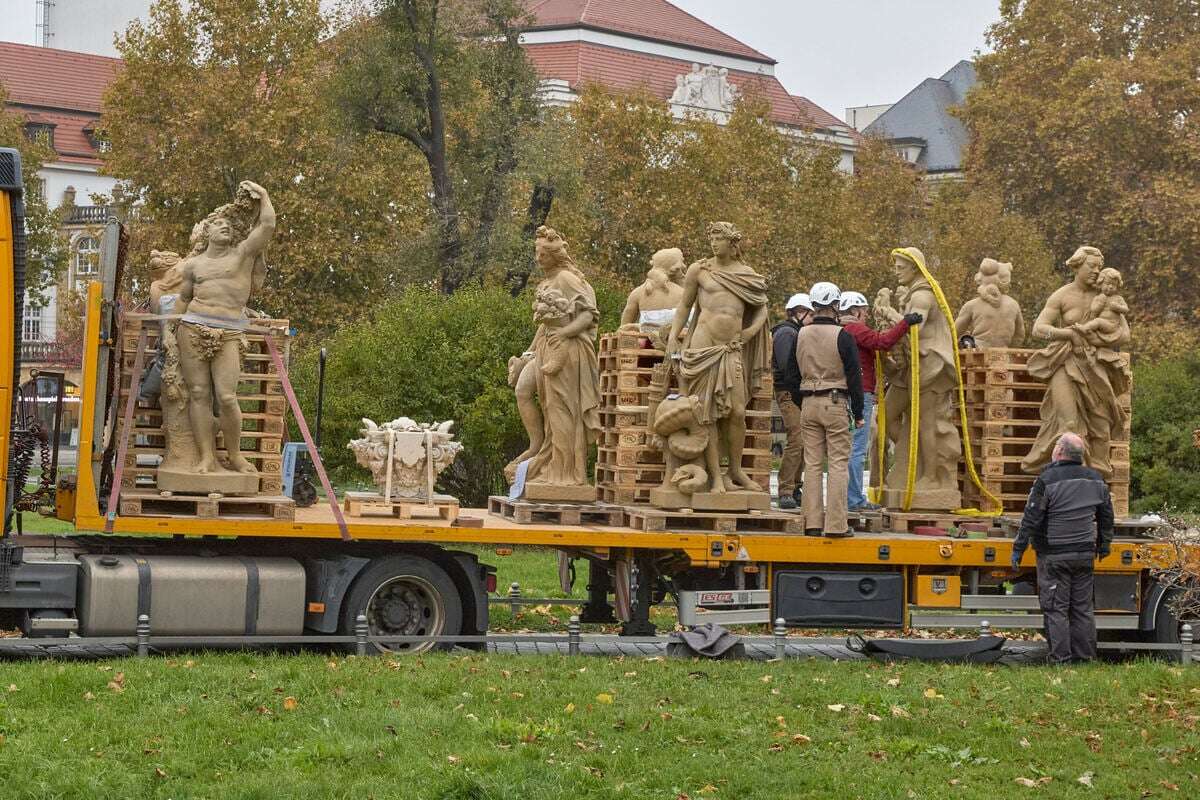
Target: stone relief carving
{"points": [[707, 88]]}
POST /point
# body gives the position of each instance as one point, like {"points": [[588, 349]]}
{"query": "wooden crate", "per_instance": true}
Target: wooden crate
{"points": [[524, 513], [260, 395], [1003, 408]]}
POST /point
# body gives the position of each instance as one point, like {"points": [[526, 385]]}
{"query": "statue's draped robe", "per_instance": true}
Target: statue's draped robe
{"points": [[710, 373], [1082, 394], [570, 398]]}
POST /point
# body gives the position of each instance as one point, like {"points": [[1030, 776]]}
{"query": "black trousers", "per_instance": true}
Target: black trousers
{"points": [[1065, 592]]}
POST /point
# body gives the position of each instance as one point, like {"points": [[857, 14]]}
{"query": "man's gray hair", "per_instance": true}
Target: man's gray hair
{"points": [[1070, 447]]}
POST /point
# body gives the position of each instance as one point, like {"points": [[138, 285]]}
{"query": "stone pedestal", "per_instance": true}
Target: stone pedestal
{"points": [[942, 500], [554, 493], [224, 482], [708, 501]]}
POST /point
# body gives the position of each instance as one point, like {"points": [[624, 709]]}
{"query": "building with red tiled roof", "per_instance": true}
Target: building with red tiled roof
{"points": [[656, 46], [59, 93]]}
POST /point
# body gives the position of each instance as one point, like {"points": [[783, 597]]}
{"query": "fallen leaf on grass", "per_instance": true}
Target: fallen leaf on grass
{"points": [[1030, 783], [453, 759], [89, 696], [604, 697], [1166, 784], [1086, 779], [874, 717], [391, 729], [596, 772], [836, 708], [12, 687], [800, 738], [707, 788], [765, 679], [955, 781], [897, 711], [776, 748], [1093, 740], [117, 684], [290, 704], [878, 755], [932, 694], [1024, 742], [570, 709], [159, 772], [893, 682]]}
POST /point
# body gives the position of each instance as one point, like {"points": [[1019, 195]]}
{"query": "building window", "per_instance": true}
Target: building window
{"points": [[32, 331], [86, 260], [40, 132]]}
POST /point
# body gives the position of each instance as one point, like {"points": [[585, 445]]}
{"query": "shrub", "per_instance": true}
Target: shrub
{"points": [[431, 357], [1166, 409]]}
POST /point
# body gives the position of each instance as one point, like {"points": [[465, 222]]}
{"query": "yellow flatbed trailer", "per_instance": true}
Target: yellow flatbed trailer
{"points": [[237, 576]]}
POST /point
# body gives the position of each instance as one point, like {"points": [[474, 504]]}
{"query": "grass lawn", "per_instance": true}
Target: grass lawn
{"points": [[454, 726]]}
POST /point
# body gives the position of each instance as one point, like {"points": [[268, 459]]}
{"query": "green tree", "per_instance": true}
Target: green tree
{"points": [[451, 80], [1084, 120], [225, 90], [1166, 409], [47, 251]]}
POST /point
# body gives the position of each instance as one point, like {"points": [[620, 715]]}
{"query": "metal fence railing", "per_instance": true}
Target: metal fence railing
{"points": [[144, 641]]}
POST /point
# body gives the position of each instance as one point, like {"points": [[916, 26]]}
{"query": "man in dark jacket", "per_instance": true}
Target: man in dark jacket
{"points": [[787, 387], [1069, 520]]}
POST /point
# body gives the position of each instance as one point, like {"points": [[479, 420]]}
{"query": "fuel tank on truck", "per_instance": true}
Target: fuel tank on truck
{"points": [[191, 595]]}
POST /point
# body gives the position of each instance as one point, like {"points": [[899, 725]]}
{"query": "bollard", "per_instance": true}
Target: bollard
{"points": [[361, 631], [573, 630], [1187, 644], [143, 635], [780, 639], [514, 595], [985, 629]]}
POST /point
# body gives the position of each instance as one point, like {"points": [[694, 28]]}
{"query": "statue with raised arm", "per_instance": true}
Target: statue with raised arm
{"points": [[1082, 366], [939, 448], [226, 265], [722, 362]]}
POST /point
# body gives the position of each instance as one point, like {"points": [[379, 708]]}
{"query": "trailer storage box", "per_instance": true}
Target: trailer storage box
{"points": [[191, 595], [836, 599]]}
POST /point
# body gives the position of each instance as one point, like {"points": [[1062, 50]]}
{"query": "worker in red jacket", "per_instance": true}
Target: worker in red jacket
{"points": [[852, 312]]}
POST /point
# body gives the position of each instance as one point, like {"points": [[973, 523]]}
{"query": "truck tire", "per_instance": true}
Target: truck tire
{"points": [[404, 595], [1166, 624]]}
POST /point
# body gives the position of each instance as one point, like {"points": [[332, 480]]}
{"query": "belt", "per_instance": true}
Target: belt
{"points": [[823, 392]]}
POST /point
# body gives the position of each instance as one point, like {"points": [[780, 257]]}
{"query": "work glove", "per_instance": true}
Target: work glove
{"points": [[913, 318], [1103, 552], [1016, 562]]}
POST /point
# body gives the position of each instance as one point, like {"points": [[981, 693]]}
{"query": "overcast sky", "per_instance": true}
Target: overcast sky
{"points": [[837, 53]]}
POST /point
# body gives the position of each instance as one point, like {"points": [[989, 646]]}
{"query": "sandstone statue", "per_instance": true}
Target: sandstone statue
{"points": [[938, 444], [721, 362], [1082, 366], [651, 306], [216, 280], [562, 366], [993, 319]]}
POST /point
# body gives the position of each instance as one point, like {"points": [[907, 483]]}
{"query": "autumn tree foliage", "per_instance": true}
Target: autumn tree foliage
{"points": [[1084, 120], [218, 91], [47, 251], [646, 180], [451, 81]]}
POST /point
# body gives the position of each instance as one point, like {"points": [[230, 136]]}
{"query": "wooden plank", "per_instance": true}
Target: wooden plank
{"points": [[361, 504], [527, 513], [152, 504], [656, 520]]}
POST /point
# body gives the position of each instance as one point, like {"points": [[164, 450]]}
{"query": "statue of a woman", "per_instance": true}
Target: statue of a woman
{"points": [[1084, 372], [568, 376]]}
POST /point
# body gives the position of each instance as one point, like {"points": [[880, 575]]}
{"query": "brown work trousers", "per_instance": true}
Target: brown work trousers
{"points": [[793, 453], [825, 423]]}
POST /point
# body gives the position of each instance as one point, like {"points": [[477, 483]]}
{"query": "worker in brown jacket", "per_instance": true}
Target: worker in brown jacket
{"points": [[832, 406]]}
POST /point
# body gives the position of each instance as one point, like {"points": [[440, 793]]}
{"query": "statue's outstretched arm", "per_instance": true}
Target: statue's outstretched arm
{"points": [[264, 229]]}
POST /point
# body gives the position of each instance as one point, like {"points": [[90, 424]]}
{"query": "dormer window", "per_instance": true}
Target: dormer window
{"points": [[40, 132], [97, 139]]}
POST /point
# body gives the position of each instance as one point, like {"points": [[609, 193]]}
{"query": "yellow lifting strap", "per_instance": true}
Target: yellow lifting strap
{"points": [[915, 407]]}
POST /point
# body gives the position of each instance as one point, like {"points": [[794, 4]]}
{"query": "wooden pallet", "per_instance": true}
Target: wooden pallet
{"points": [[653, 520], [365, 504], [153, 504], [866, 521], [906, 521], [526, 513]]}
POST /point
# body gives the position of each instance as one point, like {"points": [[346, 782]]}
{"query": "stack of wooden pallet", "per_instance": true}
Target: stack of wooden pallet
{"points": [[1003, 403], [627, 467], [260, 394]]}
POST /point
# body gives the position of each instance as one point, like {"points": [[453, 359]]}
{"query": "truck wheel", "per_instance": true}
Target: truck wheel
{"points": [[1166, 624], [404, 596]]}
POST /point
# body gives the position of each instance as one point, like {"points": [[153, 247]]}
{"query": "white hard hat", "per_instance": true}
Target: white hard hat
{"points": [[852, 300], [799, 300], [824, 294]]}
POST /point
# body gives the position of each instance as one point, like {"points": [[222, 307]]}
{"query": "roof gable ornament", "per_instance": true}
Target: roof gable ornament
{"points": [[706, 90]]}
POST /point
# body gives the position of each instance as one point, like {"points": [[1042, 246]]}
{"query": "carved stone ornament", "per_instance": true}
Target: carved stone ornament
{"points": [[420, 452], [706, 89]]}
